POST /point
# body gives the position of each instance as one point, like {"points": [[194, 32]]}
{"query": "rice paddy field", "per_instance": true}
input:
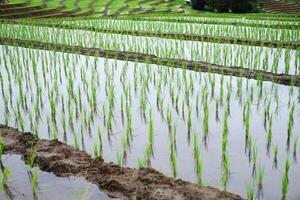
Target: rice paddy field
{"points": [[209, 99]]}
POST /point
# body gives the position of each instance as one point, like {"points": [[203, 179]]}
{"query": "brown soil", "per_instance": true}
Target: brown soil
{"points": [[63, 160], [191, 37], [284, 79]]}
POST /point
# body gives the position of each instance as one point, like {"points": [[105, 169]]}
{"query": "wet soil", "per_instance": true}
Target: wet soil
{"points": [[64, 160], [170, 35], [285, 79]]}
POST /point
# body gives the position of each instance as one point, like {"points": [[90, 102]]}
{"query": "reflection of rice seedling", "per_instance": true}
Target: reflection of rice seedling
{"points": [[287, 167], [269, 132], [189, 120], [295, 146], [34, 179], [275, 154], [290, 123], [198, 161], [150, 129]]}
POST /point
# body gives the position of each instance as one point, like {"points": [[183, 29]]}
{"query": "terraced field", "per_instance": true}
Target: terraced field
{"points": [[211, 99], [71, 8]]}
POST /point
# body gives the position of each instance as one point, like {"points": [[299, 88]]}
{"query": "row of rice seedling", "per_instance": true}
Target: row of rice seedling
{"points": [[223, 19], [158, 27], [146, 115], [255, 33], [276, 60]]}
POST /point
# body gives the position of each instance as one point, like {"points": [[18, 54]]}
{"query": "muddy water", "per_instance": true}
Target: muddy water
{"points": [[275, 60], [107, 73], [49, 186]]}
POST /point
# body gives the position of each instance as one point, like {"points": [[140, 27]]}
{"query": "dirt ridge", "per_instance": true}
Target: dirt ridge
{"points": [[285, 79], [171, 35], [64, 160]]}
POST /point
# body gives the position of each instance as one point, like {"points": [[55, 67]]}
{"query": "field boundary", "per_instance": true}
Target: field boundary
{"points": [[118, 182], [285, 79], [170, 35]]}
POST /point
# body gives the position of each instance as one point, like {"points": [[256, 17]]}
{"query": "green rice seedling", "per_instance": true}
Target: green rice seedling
{"points": [[141, 164], [63, 124], [189, 120], [96, 151], [250, 192], [260, 176], [119, 159], [173, 162], [31, 158], [76, 144], [254, 156], [53, 107], [55, 134], [284, 186], [133, 196], [34, 179], [224, 181]]}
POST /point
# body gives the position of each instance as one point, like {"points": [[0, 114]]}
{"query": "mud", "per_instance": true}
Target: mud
{"points": [[285, 79], [170, 35], [63, 160]]}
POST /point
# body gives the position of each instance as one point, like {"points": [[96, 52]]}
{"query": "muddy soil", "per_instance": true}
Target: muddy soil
{"points": [[170, 35], [63, 160], [285, 79]]}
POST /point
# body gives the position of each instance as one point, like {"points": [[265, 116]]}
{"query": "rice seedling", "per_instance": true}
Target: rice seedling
{"points": [[43, 88], [260, 176], [250, 192], [284, 186], [119, 159], [5, 175], [141, 164]]}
